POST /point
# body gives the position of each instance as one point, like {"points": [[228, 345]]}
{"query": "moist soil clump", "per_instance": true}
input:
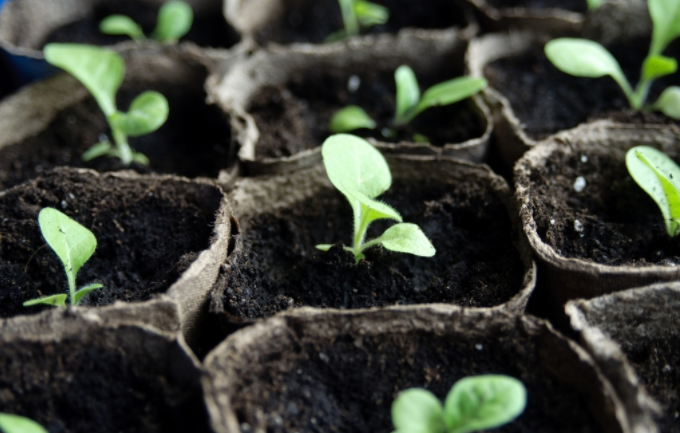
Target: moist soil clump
{"points": [[570, 5], [612, 221], [148, 232], [194, 141], [349, 384], [315, 21], [547, 100], [278, 266], [209, 28], [296, 117]]}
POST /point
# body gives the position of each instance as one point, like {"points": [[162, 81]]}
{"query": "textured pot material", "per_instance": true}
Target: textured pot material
{"points": [[553, 20], [254, 198], [564, 278], [275, 67], [81, 375], [177, 71], [614, 326], [183, 306], [388, 351]]}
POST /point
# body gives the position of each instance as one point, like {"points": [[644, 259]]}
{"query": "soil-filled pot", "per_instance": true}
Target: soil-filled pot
{"points": [[313, 21], [640, 327], [84, 377], [593, 229], [465, 210], [156, 236], [287, 97], [319, 371], [531, 99], [53, 122]]}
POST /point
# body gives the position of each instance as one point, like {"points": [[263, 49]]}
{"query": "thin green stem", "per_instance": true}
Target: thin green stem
{"points": [[71, 287], [361, 230], [349, 17], [122, 146]]}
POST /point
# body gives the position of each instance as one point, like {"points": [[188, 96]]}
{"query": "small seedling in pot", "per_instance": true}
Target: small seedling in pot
{"points": [[174, 21], [473, 404], [584, 58], [74, 245], [18, 424], [409, 102], [357, 15], [360, 173], [101, 71], [659, 177]]}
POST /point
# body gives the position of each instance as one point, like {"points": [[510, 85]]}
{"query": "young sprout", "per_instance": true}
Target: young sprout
{"points": [[584, 58], [358, 14], [101, 71], [174, 21], [594, 4], [360, 173], [18, 424], [409, 101], [74, 245], [659, 177], [474, 403]]}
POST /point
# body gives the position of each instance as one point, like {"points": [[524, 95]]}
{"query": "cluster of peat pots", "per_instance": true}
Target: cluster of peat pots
{"points": [[219, 314]]}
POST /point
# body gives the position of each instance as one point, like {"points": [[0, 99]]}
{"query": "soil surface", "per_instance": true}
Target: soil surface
{"points": [[349, 384], [194, 141], [570, 5], [69, 386], [296, 117], [305, 22], [476, 264], [209, 28], [547, 100], [148, 232], [612, 221]]}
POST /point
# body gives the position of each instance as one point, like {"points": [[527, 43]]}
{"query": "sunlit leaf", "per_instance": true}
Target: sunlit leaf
{"points": [[121, 25], [85, 290], [54, 300], [408, 93], [350, 118], [18, 424], [417, 411], [666, 21], [407, 238], [174, 21], [449, 92], [147, 113], [669, 102]]}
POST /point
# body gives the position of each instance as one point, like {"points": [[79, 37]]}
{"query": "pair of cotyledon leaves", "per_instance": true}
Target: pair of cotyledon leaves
{"points": [[174, 21]]}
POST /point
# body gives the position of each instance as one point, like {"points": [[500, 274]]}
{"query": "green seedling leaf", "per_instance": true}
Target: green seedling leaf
{"points": [[420, 138], [96, 150], [18, 424], [584, 58], [174, 21], [656, 66], [100, 70], [594, 4], [483, 402], [669, 102], [350, 118], [121, 25], [54, 300], [666, 20], [349, 17], [324, 247], [85, 290], [659, 177], [408, 93], [370, 14], [417, 411], [73, 243], [406, 238], [148, 112], [449, 92], [140, 158]]}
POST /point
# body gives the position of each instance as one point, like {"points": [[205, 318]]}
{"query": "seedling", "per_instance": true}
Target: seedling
{"points": [[360, 173], [584, 58], [101, 71], [18, 424], [74, 245], [474, 403], [174, 21], [409, 102], [594, 4], [357, 15], [659, 177]]}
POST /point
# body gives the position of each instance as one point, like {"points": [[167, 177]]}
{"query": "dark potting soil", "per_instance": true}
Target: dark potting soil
{"points": [[296, 117], [71, 387], [476, 264], [618, 223], [349, 384], [306, 21], [570, 5], [547, 100], [148, 232], [209, 28], [194, 141]]}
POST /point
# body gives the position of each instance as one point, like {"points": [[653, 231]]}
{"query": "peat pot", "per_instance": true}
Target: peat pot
{"points": [[555, 16], [638, 327], [51, 123], [283, 99], [464, 209], [313, 371], [160, 240], [592, 228]]}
